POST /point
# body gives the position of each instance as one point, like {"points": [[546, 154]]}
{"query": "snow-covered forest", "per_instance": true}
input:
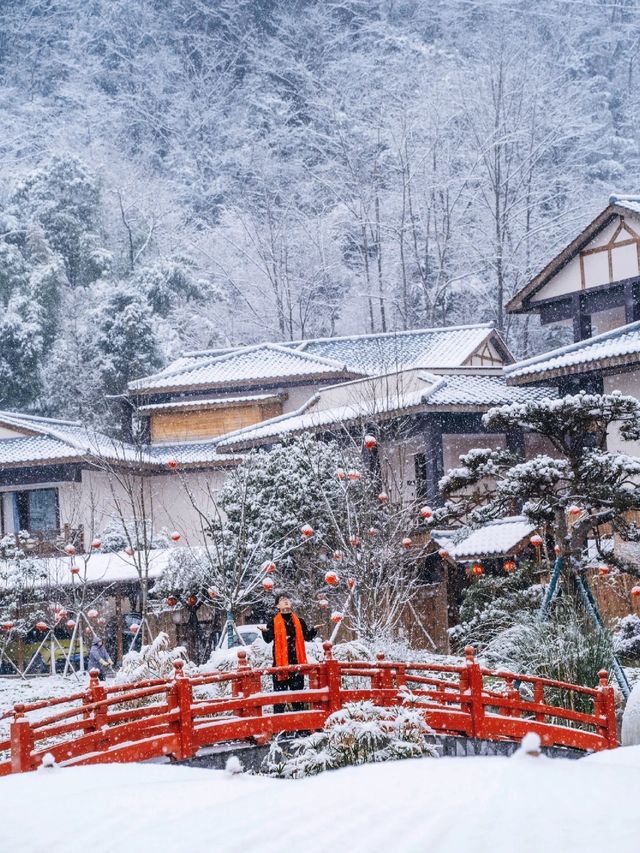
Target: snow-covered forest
{"points": [[193, 173]]}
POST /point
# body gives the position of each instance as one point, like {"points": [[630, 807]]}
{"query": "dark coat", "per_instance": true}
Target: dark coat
{"points": [[307, 633], [98, 657]]}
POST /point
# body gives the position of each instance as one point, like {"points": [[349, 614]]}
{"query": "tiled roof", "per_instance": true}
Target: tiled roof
{"points": [[346, 357], [628, 202], [461, 390], [423, 392], [195, 453], [495, 539], [429, 348], [187, 405], [68, 441], [256, 365], [617, 347]]}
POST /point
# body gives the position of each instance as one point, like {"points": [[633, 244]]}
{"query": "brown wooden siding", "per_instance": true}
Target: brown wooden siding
{"points": [[188, 426]]}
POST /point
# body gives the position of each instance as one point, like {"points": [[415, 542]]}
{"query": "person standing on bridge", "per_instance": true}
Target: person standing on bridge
{"points": [[288, 633], [98, 657]]}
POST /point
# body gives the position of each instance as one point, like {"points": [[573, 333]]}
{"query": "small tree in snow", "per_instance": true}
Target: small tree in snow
{"points": [[572, 494]]}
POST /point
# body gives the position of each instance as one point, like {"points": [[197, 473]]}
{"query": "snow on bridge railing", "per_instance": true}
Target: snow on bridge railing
{"points": [[176, 717]]}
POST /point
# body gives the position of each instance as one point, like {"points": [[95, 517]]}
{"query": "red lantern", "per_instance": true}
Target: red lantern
{"points": [[603, 571], [536, 540], [41, 626], [172, 600], [426, 512], [307, 531], [338, 555], [351, 582], [574, 511], [74, 570], [71, 624], [383, 497], [407, 543], [557, 550], [92, 613], [354, 541], [60, 615], [267, 584], [372, 531], [192, 600], [133, 629], [69, 549], [129, 551], [331, 578], [96, 544], [443, 553], [212, 592], [269, 567], [509, 566], [336, 617], [635, 591], [171, 463], [340, 474], [175, 536], [7, 626], [323, 603], [477, 569], [354, 475], [370, 441]]}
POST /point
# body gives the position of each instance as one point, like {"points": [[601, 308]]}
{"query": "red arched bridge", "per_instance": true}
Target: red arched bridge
{"points": [[176, 717]]}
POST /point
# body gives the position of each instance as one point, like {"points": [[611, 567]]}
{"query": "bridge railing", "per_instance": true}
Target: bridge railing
{"points": [[177, 717]]}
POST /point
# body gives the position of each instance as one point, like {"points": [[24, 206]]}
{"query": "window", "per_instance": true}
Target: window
{"points": [[36, 510]]}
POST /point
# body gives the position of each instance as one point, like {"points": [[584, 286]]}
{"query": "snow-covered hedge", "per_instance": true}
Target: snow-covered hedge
{"points": [[359, 733]]}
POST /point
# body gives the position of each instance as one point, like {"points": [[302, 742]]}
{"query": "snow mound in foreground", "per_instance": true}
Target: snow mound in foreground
{"points": [[444, 806]]}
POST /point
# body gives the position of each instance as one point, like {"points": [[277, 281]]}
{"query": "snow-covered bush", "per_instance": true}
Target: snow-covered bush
{"points": [[359, 733], [626, 637], [565, 647], [120, 534], [153, 661]]}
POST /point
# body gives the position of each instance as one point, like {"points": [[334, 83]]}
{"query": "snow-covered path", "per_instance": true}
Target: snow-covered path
{"points": [[467, 805]]}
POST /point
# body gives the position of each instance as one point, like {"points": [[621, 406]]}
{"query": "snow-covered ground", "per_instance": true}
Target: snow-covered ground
{"points": [[27, 690], [464, 805]]}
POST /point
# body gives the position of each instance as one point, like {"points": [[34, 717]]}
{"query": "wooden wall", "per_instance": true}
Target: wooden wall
{"points": [[209, 423]]}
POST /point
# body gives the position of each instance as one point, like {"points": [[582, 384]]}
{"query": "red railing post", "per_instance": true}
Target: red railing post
{"points": [[538, 698], [332, 679], [183, 700], [475, 687], [21, 742], [247, 684], [606, 710], [98, 694]]}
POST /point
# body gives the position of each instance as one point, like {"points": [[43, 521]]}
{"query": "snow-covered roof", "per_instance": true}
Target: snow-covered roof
{"points": [[498, 538], [189, 405], [412, 391], [333, 358], [429, 348], [50, 441], [619, 346], [619, 205], [256, 365]]}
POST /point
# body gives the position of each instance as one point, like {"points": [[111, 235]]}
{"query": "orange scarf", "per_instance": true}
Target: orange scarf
{"points": [[280, 643]]}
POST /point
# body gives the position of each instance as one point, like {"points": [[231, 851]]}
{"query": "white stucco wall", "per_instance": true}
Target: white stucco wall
{"points": [[627, 383]]}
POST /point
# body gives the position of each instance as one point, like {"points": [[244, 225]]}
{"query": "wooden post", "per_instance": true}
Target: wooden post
{"points": [[248, 683], [21, 742], [538, 698], [475, 687], [332, 678], [607, 710], [98, 694], [184, 698]]}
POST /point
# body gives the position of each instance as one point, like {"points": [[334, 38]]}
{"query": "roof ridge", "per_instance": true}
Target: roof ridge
{"points": [[392, 334], [37, 418], [573, 347]]}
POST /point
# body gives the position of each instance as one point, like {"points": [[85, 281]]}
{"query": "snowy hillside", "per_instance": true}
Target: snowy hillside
{"points": [[177, 175]]}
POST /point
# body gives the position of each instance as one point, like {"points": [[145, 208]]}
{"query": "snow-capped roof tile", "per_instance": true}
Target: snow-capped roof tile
{"points": [[498, 538], [187, 405], [616, 347], [429, 348], [257, 365], [475, 391]]}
